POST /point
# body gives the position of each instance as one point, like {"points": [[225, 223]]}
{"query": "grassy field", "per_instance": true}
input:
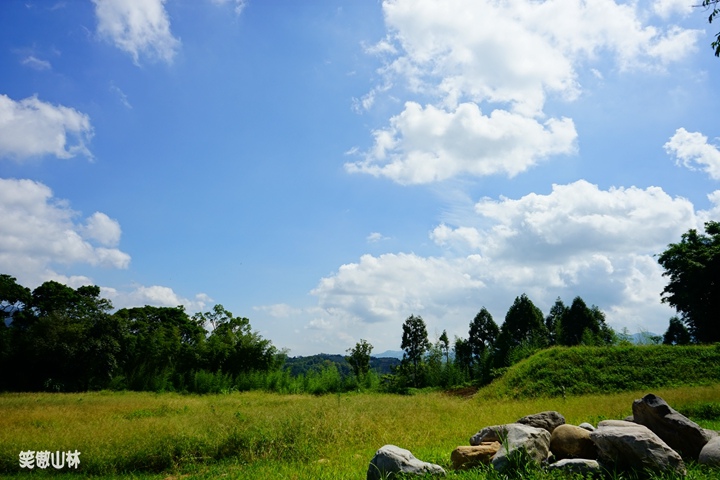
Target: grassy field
{"points": [[262, 435]]}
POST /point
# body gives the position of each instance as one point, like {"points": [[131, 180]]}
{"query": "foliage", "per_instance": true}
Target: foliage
{"points": [[677, 333], [693, 268], [64, 339], [582, 370], [359, 358], [712, 4], [415, 343], [524, 325]]}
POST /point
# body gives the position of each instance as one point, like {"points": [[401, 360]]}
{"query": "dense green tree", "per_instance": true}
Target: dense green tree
{"points": [[414, 343], [554, 320], [13, 296], [463, 355], [66, 340], [160, 342], [233, 347], [483, 334], [693, 268], [444, 346], [677, 333], [524, 327], [576, 321], [359, 358]]}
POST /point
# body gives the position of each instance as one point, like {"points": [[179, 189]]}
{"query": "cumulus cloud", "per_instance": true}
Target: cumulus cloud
{"points": [[578, 239], [155, 296], [692, 150], [512, 55], [430, 144], [31, 128], [39, 233], [666, 8], [137, 27]]}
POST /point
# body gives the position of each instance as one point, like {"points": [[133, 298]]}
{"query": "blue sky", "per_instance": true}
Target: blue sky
{"points": [[328, 168]]}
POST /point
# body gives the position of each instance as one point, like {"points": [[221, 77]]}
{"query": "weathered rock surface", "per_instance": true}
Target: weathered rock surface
{"points": [[635, 446], [494, 433], [616, 423], [548, 420], [522, 444], [468, 457], [581, 466], [393, 459], [710, 453], [587, 426], [679, 432], [569, 441]]}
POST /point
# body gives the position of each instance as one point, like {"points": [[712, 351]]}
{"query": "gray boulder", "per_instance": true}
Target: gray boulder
{"points": [[523, 444], [391, 459], [548, 420], [710, 453], [680, 433], [495, 433], [633, 446], [581, 466]]}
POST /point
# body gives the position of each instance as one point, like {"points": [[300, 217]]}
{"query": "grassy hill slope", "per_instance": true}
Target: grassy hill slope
{"points": [[588, 370]]}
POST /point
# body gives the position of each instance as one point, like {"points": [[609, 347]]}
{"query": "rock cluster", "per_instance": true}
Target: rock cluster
{"points": [[655, 439]]}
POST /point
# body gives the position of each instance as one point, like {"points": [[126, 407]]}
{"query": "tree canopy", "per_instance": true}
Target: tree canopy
{"points": [[693, 269], [415, 343], [714, 11]]}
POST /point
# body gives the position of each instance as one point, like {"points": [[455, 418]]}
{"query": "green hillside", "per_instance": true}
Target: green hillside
{"points": [[587, 370]]}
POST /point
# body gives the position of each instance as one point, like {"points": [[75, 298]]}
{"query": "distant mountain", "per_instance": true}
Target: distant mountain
{"points": [[302, 365], [390, 354]]}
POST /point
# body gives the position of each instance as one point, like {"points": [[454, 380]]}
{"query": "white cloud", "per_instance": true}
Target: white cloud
{"points": [[36, 63], [137, 27], [39, 233], [431, 144], [666, 8], [102, 229], [121, 96], [156, 296], [576, 240], [379, 288], [375, 237], [461, 54], [239, 4], [31, 127], [691, 149]]}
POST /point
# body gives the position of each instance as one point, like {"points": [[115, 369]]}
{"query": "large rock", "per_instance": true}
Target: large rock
{"points": [[548, 420], [522, 444], [680, 433], [569, 441], [468, 457], [710, 453], [580, 466], [391, 459], [633, 446], [495, 433]]}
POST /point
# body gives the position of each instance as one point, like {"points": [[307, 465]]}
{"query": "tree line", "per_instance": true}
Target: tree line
{"points": [[57, 338], [489, 349]]}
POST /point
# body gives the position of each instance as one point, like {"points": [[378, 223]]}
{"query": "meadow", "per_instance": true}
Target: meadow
{"points": [[268, 435]]}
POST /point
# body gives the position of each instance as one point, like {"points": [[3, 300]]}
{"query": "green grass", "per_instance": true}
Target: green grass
{"points": [[263, 435], [592, 370]]}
